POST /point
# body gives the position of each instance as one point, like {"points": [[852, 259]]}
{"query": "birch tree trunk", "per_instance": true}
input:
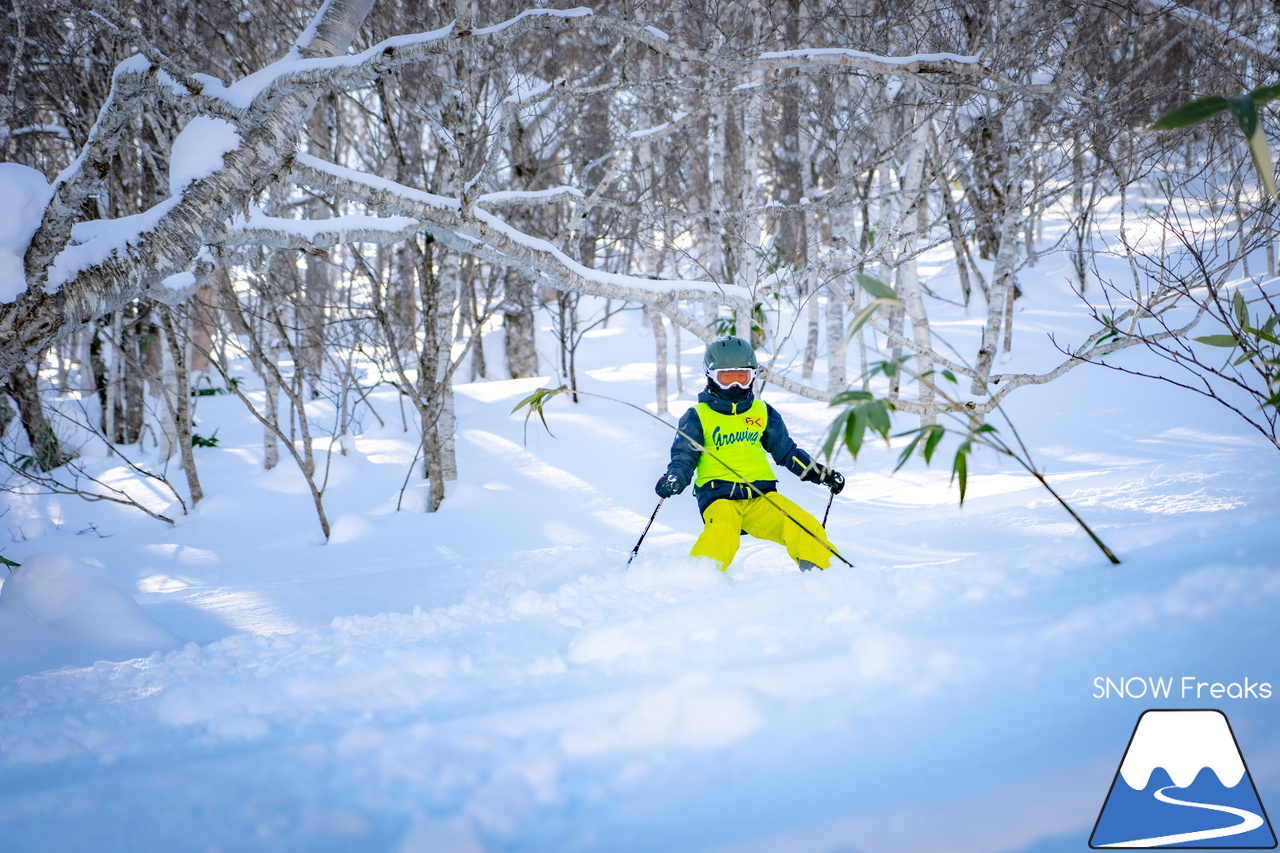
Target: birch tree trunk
{"points": [[446, 424], [717, 259], [46, 448], [889, 209], [167, 391], [813, 313], [649, 167], [837, 378], [518, 324], [317, 278], [660, 357], [749, 231], [908, 272], [111, 406], [1000, 305], [182, 414], [435, 389], [132, 369]]}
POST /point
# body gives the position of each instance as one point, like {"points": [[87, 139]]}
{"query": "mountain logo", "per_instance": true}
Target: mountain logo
{"points": [[1182, 783]]}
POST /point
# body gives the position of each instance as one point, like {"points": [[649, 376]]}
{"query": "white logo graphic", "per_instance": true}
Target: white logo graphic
{"points": [[1182, 783]]}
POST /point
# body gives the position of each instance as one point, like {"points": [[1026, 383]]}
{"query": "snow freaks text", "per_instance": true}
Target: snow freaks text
{"points": [[1185, 687]]}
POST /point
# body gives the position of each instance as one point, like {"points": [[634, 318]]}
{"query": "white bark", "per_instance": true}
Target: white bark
{"points": [[114, 378], [168, 443], [908, 272], [813, 312], [1000, 303], [714, 250], [837, 377], [750, 231], [660, 358], [271, 416], [446, 425], [178, 360]]}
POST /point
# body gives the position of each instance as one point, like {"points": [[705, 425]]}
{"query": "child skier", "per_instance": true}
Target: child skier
{"points": [[721, 447]]}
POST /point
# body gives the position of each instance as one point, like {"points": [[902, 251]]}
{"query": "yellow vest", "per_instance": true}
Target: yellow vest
{"points": [[733, 449]]}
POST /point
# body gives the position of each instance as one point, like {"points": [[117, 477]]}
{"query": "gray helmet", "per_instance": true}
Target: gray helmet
{"points": [[729, 352]]}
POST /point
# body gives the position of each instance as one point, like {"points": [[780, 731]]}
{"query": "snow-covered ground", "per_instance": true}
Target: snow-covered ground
{"points": [[491, 677]]}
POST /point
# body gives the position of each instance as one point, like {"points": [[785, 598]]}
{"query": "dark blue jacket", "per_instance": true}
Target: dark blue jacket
{"points": [[776, 440]]}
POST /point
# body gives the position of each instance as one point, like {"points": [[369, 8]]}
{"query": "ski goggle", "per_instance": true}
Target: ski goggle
{"points": [[729, 376]]}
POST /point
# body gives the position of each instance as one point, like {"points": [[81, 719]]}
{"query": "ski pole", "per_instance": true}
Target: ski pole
{"points": [[636, 550], [830, 498]]}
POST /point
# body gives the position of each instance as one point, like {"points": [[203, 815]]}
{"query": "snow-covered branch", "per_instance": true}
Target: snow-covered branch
{"points": [[363, 69], [487, 236], [280, 233], [828, 59]]}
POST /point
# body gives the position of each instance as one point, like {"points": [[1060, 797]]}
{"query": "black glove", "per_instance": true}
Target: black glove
{"points": [[832, 479], [668, 485]]}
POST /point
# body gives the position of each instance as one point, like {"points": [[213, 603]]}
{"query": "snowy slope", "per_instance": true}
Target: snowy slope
{"points": [[490, 677]]}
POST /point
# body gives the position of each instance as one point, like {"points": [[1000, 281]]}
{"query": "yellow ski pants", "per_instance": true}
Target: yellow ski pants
{"points": [[762, 517]]}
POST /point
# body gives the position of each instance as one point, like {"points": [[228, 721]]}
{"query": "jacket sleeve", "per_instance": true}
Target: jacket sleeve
{"points": [[684, 449], [778, 443]]}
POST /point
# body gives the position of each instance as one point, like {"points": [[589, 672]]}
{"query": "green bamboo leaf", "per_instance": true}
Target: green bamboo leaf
{"points": [[877, 288], [905, 456], [878, 417], [960, 468], [834, 434], [1264, 94], [5, 561], [844, 398], [1228, 341], [536, 403], [1191, 113], [1248, 356], [1273, 400], [1246, 115], [1261, 154], [863, 317], [1241, 310], [936, 432], [533, 400], [854, 430], [862, 412], [1263, 335]]}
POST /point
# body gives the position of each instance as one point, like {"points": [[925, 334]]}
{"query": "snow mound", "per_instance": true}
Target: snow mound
{"points": [[82, 615], [26, 194], [198, 151]]}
